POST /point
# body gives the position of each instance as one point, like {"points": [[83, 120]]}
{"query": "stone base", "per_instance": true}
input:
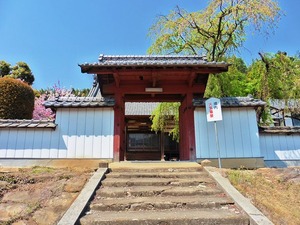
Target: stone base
{"points": [[87, 163], [248, 163], [282, 163]]}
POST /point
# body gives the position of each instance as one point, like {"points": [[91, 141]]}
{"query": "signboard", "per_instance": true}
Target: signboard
{"points": [[213, 109]]}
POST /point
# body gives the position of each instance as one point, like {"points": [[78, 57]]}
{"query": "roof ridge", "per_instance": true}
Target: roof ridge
{"points": [[142, 57]]}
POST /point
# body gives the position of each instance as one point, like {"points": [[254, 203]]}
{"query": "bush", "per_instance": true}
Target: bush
{"points": [[16, 99]]}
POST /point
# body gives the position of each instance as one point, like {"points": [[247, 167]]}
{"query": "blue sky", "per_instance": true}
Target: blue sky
{"points": [[53, 37]]}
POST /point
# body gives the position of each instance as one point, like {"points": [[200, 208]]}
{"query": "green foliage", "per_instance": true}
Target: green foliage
{"points": [[4, 68], [274, 77], [214, 31], [162, 116], [81, 92], [231, 83], [256, 82], [22, 71], [41, 170], [16, 99]]}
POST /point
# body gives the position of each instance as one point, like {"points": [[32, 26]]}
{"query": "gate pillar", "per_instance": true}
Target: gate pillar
{"points": [[187, 129], [119, 128]]}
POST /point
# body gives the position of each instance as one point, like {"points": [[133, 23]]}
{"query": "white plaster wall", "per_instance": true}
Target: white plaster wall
{"points": [[237, 132], [80, 133]]}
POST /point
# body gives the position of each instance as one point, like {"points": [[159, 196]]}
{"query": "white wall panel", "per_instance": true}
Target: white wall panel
{"points": [[46, 143], [11, 141], [80, 133], [237, 132], [280, 146], [3, 143]]}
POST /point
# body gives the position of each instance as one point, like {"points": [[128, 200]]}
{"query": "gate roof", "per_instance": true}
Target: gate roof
{"points": [[153, 77]]}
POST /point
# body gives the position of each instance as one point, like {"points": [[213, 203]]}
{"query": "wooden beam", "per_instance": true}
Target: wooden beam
{"points": [[166, 89], [156, 98], [148, 71]]}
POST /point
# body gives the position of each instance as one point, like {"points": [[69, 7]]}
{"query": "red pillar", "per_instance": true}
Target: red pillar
{"points": [[187, 129], [119, 128], [182, 151]]}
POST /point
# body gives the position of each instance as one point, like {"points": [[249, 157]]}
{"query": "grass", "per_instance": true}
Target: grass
{"points": [[40, 169], [277, 198]]}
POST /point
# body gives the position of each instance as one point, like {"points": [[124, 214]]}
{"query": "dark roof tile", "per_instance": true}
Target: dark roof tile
{"points": [[153, 60], [233, 102], [79, 102], [282, 104], [11, 123], [279, 130]]}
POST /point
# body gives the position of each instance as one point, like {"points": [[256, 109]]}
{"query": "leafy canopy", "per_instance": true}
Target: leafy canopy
{"points": [[218, 29], [165, 118], [20, 71]]}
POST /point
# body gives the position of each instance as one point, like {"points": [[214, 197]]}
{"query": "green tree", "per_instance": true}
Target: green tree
{"points": [[231, 83], [216, 31], [274, 76], [22, 71], [165, 118], [4, 68]]}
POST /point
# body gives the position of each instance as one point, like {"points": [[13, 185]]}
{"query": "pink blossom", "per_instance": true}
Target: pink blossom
{"points": [[40, 111]]}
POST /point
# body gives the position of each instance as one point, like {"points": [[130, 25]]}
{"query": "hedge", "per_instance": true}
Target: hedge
{"points": [[16, 99]]}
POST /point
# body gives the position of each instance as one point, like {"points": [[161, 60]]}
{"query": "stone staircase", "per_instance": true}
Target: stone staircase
{"points": [[162, 194]]}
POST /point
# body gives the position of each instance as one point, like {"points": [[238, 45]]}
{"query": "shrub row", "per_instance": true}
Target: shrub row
{"points": [[16, 99]]}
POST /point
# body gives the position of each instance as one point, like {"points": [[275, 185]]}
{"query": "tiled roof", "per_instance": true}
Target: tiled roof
{"points": [[139, 108], [153, 60], [279, 130], [79, 102], [10, 123], [282, 104], [95, 90], [233, 102]]}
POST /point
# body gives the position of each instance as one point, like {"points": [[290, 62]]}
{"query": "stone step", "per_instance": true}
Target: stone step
{"points": [[160, 203], [147, 191], [166, 217], [122, 182], [186, 169], [155, 167], [192, 174]]}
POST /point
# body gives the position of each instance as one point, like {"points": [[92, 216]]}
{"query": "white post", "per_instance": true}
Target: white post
{"points": [[217, 144]]}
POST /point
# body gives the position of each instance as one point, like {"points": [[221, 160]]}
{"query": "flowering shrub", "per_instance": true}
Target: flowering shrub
{"points": [[40, 111]]}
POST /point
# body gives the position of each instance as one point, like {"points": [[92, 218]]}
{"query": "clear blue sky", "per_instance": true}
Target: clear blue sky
{"points": [[53, 37]]}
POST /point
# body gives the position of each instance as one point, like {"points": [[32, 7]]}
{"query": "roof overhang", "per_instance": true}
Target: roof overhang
{"points": [[113, 63], [154, 77]]}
